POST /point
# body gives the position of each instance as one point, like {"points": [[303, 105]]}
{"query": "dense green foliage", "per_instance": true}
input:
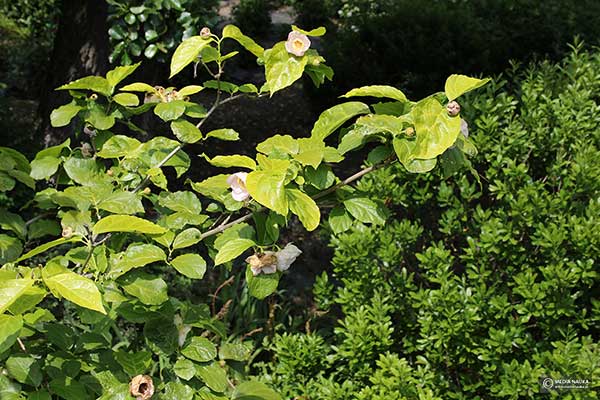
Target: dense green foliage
{"points": [[152, 29], [471, 290]]}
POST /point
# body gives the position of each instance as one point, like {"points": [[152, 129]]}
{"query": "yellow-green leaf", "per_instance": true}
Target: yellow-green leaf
{"points": [[126, 223], [187, 52], [457, 85], [384, 91], [304, 207]]}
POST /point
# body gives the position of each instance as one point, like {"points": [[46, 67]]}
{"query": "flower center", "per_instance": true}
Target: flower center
{"points": [[298, 44]]}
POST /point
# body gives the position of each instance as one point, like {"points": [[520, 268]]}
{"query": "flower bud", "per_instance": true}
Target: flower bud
{"points": [[93, 97], [410, 131], [110, 172], [205, 32], [67, 232], [147, 190], [141, 387], [453, 108]]}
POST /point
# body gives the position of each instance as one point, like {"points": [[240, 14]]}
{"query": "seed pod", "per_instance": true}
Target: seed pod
{"points": [[141, 387], [453, 108], [205, 32], [67, 232], [87, 150]]}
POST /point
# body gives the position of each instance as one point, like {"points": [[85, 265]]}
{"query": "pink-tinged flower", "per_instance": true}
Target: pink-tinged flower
{"points": [[270, 262], [297, 43], [453, 108], [141, 387], [464, 128], [237, 182]]}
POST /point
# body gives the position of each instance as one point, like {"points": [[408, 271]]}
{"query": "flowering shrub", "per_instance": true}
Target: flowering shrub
{"points": [[86, 308]]}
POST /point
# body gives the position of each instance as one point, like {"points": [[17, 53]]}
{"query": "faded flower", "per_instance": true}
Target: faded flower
{"points": [[453, 108], [141, 387], [205, 32], [269, 262], [464, 128], [237, 182], [297, 43], [182, 329]]}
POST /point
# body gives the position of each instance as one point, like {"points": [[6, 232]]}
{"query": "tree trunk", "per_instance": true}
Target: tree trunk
{"points": [[80, 49]]}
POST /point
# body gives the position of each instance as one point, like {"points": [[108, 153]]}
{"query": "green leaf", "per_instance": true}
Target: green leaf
{"points": [[138, 87], [191, 265], [281, 68], [10, 327], [134, 363], [85, 171], [365, 210], [126, 223], [190, 90], [98, 118], [199, 349], [73, 287], [11, 290], [176, 390], [375, 123], [115, 76], [137, 255], [332, 155], [232, 161], [187, 238], [10, 248], [43, 227], [320, 31], [213, 376], [185, 369], [119, 146], [251, 390], [279, 144], [334, 117], [12, 222], [150, 290], [304, 207], [25, 369], [29, 299], [68, 388], [170, 111], [457, 85], [224, 134], [310, 151], [351, 140], [126, 99], [233, 32], [339, 220], [234, 351], [122, 202], [435, 129], [377, 91], [268, 188], [181, 201], [94, 83], [263, 285], [44, 167], [187, 52], [185, 131], [47, 246], [232, 249], [22, 177], [63, 115]]}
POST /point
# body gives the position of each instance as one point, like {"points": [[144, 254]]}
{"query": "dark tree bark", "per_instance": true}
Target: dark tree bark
{"points": [[80, 49]]}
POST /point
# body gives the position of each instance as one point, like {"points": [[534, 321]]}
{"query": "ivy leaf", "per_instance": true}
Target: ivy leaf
{"points": [[170, 111], [233, 32], [334, 117], [73, 287], [232, 249], [365, 210], [187, 52], [377, 91], [11, 290], [263, 285], [304, 207], [150, 290], [457, 85], [199, 349], [224, 134], [126, 223], [63, 115], [282, 68], [191, 265], [185, 131]]}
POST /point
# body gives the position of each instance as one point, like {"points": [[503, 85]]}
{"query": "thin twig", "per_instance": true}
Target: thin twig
{"points": [[221, 286]]}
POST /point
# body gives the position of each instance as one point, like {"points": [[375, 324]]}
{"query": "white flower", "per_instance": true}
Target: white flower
{"points": [[182, 329], [286, 256], [297, 43], [237, 182], [464, 128], [270, 262]]}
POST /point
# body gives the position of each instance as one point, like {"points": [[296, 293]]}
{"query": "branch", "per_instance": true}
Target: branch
{"points": [[324, 193]]}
